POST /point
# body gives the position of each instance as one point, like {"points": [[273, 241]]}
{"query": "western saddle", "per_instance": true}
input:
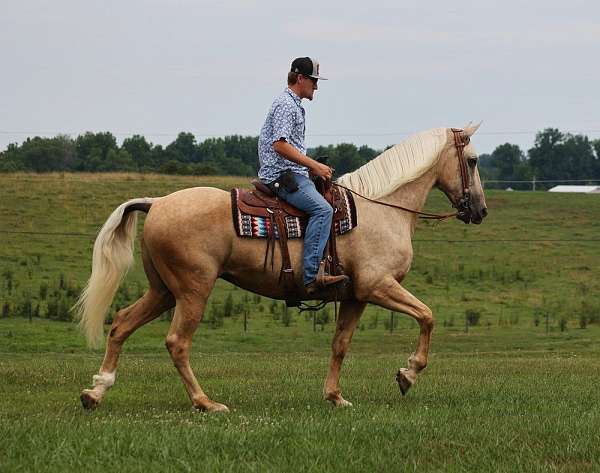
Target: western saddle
{"points": [[262, 202]]}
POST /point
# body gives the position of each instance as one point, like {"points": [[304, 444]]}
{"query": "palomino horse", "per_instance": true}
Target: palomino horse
{"points": [[189, 241]]}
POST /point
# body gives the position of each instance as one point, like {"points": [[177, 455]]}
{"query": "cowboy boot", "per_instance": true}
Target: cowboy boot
{"points": [[324, 280]]}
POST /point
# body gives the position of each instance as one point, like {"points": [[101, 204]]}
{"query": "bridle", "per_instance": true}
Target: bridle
{"points": [[461, 140], [464, 203]]}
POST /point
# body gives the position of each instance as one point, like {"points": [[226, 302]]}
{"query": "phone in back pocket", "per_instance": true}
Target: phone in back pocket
{"points": [[286, 181]]}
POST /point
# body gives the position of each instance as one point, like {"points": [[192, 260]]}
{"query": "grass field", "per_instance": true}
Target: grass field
{"points": [[509, 395]]}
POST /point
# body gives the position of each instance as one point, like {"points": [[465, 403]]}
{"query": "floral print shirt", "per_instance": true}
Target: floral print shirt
{"points": [[285, 120]]}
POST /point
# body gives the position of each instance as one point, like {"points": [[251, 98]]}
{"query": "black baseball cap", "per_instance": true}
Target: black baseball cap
{"points": [[307, 67]]}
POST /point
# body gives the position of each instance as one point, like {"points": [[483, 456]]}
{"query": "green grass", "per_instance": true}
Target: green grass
{"points": [[482, 269], [506, 396], [496, 399]]}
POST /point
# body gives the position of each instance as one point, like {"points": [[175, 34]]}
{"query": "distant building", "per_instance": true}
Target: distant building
{"points": [[580, 189]]}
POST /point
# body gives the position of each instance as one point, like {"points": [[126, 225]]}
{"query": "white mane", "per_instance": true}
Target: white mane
{"points": [[398, 165]]}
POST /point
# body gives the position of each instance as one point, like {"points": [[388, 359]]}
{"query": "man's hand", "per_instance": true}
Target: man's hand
{"points": [[286, 150], [321, 170]]}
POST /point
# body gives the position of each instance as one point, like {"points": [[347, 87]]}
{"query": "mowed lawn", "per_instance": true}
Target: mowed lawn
{"points": [[509, 395], [483, 404]]}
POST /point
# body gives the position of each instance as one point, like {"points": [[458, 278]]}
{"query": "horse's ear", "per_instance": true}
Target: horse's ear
{"points": [[470, 129]]}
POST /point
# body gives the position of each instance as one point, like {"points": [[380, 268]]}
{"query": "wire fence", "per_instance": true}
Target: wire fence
{"points": [[420, 240], [537, 184]]}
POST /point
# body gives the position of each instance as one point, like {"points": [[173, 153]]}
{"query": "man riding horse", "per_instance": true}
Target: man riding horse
{"points": [[192, 237], [285, 168]]}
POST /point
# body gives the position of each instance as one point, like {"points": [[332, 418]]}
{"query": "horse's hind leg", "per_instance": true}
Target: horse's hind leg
{"points": [[188, 313], [391, 295], [154, 302], [126, 321]]}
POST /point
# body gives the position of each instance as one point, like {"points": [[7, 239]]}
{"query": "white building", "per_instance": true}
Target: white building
{"points": [[580, 189]]}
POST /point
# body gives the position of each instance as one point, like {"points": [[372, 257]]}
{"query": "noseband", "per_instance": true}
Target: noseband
{"points": [[460, 141]]}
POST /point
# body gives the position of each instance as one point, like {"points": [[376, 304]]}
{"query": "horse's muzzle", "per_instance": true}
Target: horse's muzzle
{"points": [[472, 216]]}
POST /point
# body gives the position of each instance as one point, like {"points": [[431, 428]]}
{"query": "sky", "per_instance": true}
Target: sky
{"points": [[212, 68]]}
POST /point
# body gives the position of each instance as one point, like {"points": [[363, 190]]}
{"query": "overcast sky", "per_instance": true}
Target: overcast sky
{"points": [[157, 67]]}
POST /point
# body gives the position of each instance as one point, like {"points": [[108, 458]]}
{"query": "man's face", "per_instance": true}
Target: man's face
{"points": [[308, 85]]}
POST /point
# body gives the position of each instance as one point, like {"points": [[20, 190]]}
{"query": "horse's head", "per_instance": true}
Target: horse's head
{"points": [[458, 176]]}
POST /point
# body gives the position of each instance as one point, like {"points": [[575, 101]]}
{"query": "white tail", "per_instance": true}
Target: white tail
{"points": [[113, 256]]}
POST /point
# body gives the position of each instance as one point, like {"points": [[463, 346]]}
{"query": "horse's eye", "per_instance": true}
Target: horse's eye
{"points": [[472, 161]]}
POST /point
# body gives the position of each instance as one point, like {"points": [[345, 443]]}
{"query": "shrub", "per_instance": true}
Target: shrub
{"points": [[214, 318], [323, 316], [273, 307], [286, 317], [387, 322], [562, 323], [472, 317], [374, 320], [25, 308], [43, 291], [228, 306]]}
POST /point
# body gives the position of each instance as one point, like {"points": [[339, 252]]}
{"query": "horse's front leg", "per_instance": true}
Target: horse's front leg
{"points": [[350, 312], [391, 295]]}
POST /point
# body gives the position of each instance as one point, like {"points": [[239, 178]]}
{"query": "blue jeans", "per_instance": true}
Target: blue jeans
{"points": [[308, 199]]}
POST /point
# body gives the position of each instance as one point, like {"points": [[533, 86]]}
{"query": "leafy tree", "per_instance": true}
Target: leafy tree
{"points": [[46, 154], [506, 158], [171, 167], [117, 160], [557, 155], [139, 150], [183, 149], [596, 146], [367, 154], [92, 149], [346, 159]]}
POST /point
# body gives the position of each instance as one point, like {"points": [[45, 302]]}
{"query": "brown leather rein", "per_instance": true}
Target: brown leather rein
{"points": [[460, 141]]}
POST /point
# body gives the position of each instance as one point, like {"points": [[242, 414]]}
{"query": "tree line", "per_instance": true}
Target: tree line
{"points": [[554, 155]]}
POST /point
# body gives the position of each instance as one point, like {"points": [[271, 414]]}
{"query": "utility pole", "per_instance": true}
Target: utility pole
{"points": [[533, 183]]}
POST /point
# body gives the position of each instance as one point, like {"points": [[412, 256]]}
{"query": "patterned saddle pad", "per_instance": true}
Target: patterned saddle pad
{"points": [[252, 214]]}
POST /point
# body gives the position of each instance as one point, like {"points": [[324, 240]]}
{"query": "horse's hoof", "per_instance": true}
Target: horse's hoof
{"points": [[88, 400], [213, 408], [337, 400], [403, 381], [342, 403], [218, 408]]}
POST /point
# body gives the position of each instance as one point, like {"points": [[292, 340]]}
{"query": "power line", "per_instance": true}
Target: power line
{"points": [[346, 134]]}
